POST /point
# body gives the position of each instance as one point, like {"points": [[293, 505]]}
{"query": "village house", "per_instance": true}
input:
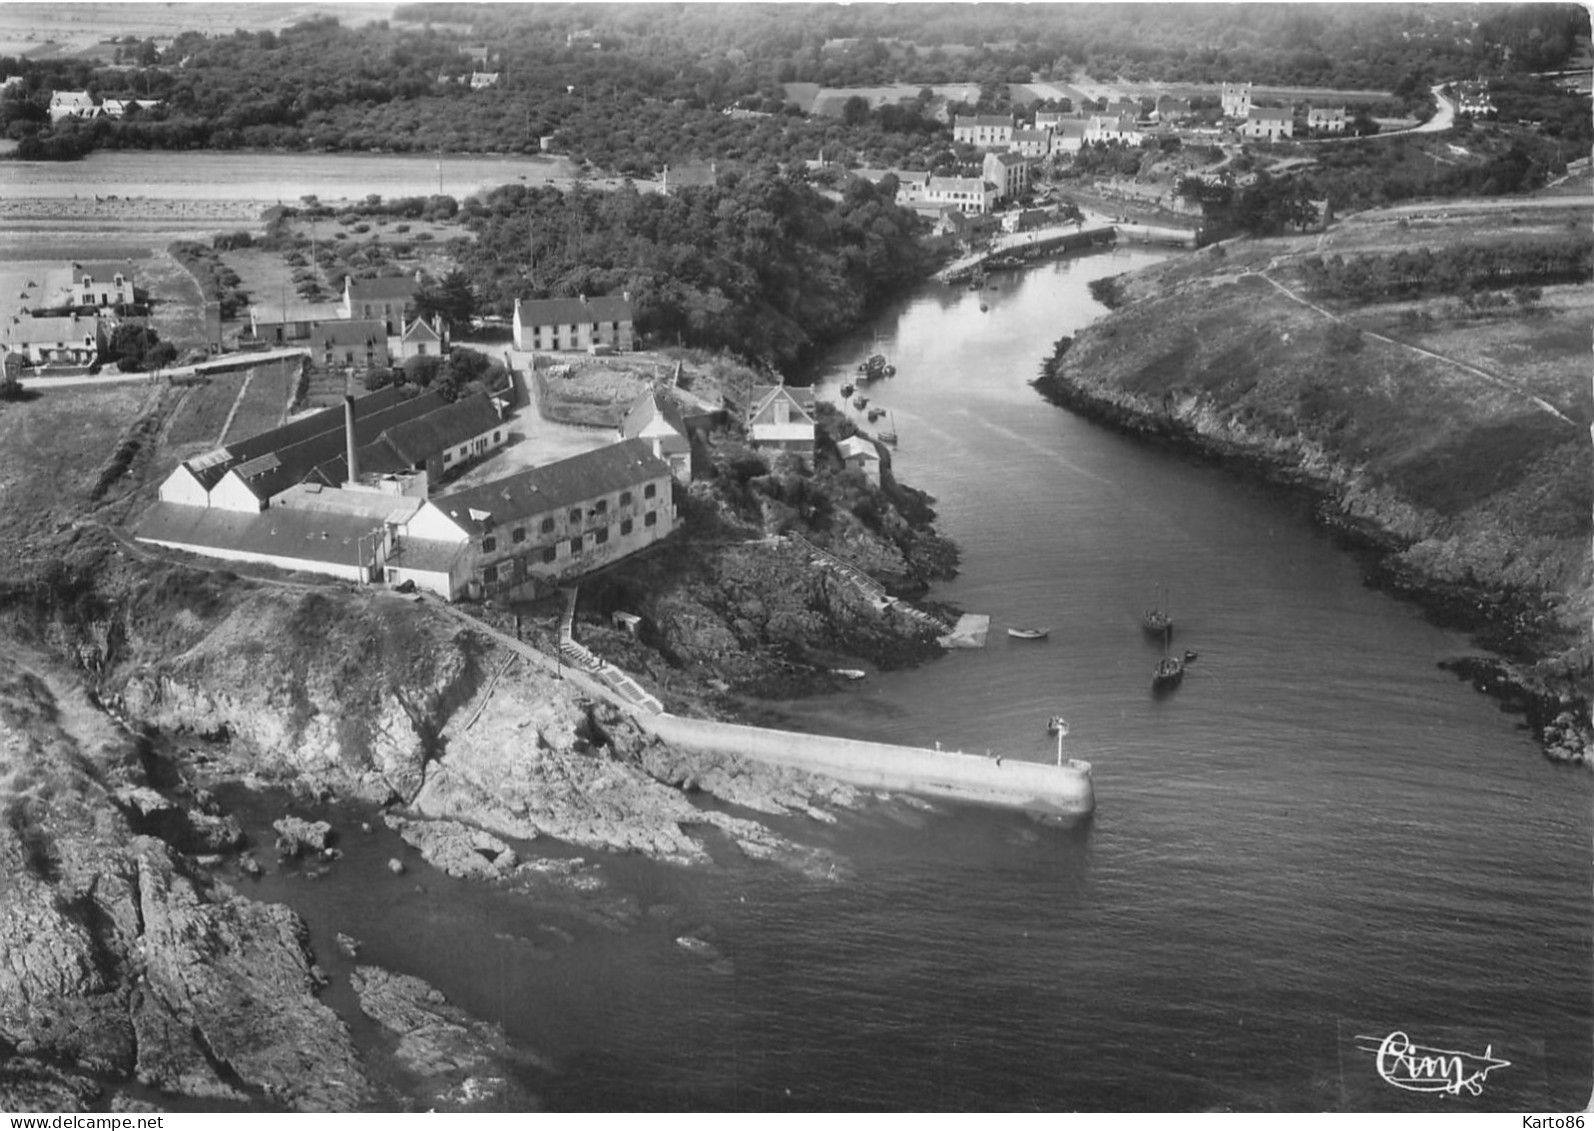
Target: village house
{"points": [[533, 529], [421, 339], [860, 454], [99, 285], [1068, 135], [70, 104], [1473, 100], [1032, 143], [579, 323], [389, 300], [1108, 129], [1325, 119], [656, 419], [1051, 119], [359, 345], [966, 194], [1268, 124], [781, 417], [1236, 99], [1009, 172], [1123, 108], [481, 80], [118, 107], [691, 175], [1170, 110], [1027, 219], [475, 54], [983, 130], [71, 340]]}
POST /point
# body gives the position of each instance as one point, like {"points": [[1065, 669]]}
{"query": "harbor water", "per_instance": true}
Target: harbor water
{"points": [[1319, 836]]}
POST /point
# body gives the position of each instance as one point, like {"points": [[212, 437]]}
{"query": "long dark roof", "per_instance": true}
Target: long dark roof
{"points": [[541, 489], [276, 471], [389, 287], [568, 311], [285, 532], [410, 443], [351, 332]]}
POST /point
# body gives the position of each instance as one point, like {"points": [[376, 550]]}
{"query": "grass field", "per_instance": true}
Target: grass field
{"points": [[197, 421], [264, 402], [53, 450]]}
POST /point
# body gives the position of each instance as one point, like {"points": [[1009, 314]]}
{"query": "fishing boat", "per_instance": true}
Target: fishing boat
{"points": [[876, 413], [846, 390], [860, 402], [1157, 620], [848, 673], [875, 366], [1057, 725], [1169, 671], [1029, 633]]}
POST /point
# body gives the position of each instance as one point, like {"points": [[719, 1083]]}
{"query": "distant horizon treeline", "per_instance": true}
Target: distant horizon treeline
{"points": [[634, 87]]}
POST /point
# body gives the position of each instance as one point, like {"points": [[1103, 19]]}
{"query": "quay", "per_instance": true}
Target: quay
{"points": [[1055, 792], [1015, 247], [1045, 789]]}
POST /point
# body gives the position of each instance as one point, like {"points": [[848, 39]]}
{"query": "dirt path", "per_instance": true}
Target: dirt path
{"points": [[1492, 378]]}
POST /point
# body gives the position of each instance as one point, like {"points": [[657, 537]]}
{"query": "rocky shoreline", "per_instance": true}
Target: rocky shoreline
{"points": [[1543, 670]]}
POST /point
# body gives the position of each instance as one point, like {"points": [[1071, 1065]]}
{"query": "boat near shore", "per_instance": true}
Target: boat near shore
{"points": [[1018, 633]]}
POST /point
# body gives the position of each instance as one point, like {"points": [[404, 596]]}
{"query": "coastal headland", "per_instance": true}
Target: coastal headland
{"points": [[1440, 412]]}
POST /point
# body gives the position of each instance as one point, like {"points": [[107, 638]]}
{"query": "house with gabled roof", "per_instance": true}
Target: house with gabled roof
{"points": [[1236, 99], [104, 284], [481, 80], [546, 524], [1327, 119], [966, 194], [1170, 109], [1009, 172], [71, 104], [781, 417], [421, 338], [389, 300], [579, 323], [72, 340], [656, 418], [860, 454], [983, 130], [692, 174], [359, 345], [1032, 143], [1106, 129], [1267, 123]]}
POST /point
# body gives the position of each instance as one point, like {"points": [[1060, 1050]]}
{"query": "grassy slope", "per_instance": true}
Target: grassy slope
{"points": [[1482, 492]]}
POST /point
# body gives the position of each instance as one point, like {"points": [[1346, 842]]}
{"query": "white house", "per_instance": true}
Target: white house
{"points": [[781, 417], [1326, 119], [1108, 129], [983, 130], [657, 420], [1009, 172], [966, 194], [70, 104], [1268, 124], [859, 454], [1236, 99], [573, 323], [389, 300], [69, 340]]}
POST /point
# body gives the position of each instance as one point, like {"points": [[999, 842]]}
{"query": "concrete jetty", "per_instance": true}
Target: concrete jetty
{"points": [[1041, 788]]}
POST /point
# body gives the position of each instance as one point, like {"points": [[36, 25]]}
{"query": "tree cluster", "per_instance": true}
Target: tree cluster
{"points": [[759, 264], [1460, 269]]}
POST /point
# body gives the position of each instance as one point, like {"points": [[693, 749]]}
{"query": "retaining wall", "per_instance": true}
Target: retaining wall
{"points": [[1034, 787]]}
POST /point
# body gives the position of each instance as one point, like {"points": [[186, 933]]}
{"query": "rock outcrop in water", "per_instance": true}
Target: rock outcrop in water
{"points": [[118, 961]]}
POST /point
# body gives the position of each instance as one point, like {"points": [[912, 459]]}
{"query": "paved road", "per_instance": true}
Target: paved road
{"points": [[224, 363]]}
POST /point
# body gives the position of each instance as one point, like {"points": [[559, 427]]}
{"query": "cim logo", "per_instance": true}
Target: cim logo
{"points": [[1420, 1068]]}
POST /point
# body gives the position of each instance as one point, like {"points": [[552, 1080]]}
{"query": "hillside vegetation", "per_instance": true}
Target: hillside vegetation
{"points": [[1427, 373]]}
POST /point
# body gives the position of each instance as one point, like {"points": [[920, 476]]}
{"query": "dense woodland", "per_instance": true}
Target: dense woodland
{"points": [[631, 88], [758, 265]]}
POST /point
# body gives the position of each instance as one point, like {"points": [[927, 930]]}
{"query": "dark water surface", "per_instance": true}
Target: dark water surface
{"points": [[1318, 835]]}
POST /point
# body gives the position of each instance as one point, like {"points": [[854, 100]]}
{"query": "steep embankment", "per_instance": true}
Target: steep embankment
{"points": [[1443, 423]]}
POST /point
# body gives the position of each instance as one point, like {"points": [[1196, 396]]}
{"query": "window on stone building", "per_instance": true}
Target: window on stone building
{"points": [[489, 544]]}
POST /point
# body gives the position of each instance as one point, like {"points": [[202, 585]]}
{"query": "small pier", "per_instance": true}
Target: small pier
{"points": [[1019, 246]]}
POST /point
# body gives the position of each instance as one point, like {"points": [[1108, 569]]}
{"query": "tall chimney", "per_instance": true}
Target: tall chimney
{"points": [[348, 432]]}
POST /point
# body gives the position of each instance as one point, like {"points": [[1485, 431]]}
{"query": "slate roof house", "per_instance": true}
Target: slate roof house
{"points": [[656, 418], [573, 323], [68, 340], [1268, 124], [532, 529], [389, 300], [361, 345]]}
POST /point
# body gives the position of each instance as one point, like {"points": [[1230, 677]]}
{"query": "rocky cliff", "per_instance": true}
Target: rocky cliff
{"points": [[1471, 488]]}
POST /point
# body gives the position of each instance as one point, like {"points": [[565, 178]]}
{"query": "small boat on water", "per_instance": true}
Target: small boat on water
{"points": [[1057, 725], [1157, 620], [846, 389], [1028, 633], [875, 366], [860, 401], [1168, 673], [876, 413], [888, 434], [848, 673]]}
